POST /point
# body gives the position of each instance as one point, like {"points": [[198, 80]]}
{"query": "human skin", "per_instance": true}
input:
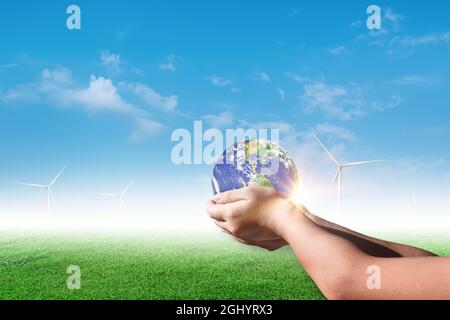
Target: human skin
{"points": [[337, 259]]}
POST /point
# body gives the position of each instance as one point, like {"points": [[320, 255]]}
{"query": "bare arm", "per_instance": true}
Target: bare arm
{"points": [[340, 269], [337, 265]]}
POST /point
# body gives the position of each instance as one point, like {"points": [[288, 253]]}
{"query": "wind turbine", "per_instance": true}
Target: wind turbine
{"points": [[338, 176], [46, 187], [118, 195]]}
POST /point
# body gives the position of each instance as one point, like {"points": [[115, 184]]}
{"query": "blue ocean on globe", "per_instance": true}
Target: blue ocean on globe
{"points": [[255, 162]]}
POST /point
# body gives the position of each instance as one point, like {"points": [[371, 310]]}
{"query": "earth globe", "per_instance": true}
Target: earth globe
{"points": [[255, 162]]}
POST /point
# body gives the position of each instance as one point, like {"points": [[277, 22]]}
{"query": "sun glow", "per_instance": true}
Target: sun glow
{"points": [[300, 197]]}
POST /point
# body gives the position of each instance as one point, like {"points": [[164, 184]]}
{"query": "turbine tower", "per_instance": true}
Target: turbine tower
{"points": [[46, 187], [118, 195], [338, 176]]}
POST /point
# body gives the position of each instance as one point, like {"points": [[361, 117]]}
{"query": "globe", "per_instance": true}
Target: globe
{"points": [[255, 162]]}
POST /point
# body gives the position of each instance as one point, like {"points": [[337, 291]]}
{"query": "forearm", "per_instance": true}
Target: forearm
{"points": [[342, 271], [326, 257]]}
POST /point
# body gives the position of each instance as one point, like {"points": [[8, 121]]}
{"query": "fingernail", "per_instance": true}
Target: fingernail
{"points": [[217, 197]]}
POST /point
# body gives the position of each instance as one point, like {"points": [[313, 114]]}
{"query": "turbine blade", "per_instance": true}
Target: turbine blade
{"points": [[354, 164], [326, 150], [128, 186], [40, 186], [336, 177], [57, 176]]}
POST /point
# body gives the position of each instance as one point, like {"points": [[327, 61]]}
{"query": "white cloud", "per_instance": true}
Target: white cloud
{"points": [[331, 99], [296, 78], [338, 51], [393, 37], [224, 119], [169, 64], [8, 66], [412, 80], [55, 87], [393, 19], [262, 76], [411, 41], [100, 95], [335, 131], [235, 90], [55, 78], [145, 128], [153, 98], [406, 45], [344, 103], [51, 80], [22, 93], [281, 93], [111, 61], [393, 102], [219, 81]]}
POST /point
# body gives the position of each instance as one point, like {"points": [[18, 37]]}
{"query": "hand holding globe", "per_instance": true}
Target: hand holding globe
{"points": [[253, 181]]}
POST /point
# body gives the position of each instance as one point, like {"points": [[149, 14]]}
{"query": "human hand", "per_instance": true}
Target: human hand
{"points": [[271, 245], [250, 215]]}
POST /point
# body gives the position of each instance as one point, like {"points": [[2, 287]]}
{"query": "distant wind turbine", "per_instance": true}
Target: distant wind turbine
{"points": [[338, 176], [118, 195], [46, 187]]}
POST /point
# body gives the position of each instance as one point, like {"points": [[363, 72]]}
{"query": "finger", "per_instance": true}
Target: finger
{"points": [[276, 244], [222, 225], [261, 244], [215, 211], [231, 196], [240, 240], [227, 211], [270, 245]]}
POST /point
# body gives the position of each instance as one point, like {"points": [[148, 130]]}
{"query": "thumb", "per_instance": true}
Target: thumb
{"points": [[230, 196]]}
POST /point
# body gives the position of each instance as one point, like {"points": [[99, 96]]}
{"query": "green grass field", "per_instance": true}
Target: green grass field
{"points": [[142, 267]]}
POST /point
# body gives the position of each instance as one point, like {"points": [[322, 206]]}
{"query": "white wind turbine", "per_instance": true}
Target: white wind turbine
{"points": [[118, 195], [46, 187], [338, 175]]}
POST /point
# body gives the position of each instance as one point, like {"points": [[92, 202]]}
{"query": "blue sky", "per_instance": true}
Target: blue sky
{"points": [[105, 99]]}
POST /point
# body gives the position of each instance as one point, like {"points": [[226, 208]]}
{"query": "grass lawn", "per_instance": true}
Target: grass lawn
{"points": [[142, 267]]}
